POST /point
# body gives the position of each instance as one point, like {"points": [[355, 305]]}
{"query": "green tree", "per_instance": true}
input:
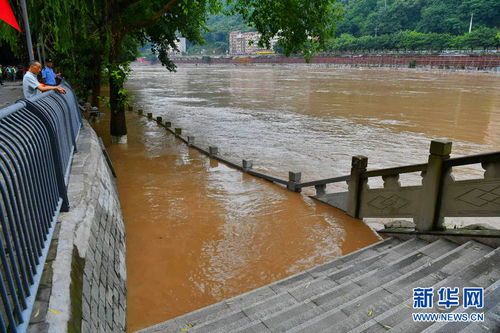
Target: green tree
{"points": [[486, 12], [366, 43], [437, 42], [410, 40], [481, 38], [385, 42], [345, 42], [439, 18]]}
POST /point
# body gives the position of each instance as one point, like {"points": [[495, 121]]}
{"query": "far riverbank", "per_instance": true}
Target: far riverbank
{"points": [[459, 62]]}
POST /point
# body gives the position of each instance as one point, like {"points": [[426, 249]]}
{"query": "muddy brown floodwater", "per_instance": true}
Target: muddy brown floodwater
{"points": [[199, 232]]}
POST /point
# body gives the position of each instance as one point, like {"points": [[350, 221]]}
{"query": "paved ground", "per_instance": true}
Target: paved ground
{"points": [[10, 92]]}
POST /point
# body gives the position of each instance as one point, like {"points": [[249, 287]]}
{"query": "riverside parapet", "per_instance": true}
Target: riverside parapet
{"points": [[462, 62]]}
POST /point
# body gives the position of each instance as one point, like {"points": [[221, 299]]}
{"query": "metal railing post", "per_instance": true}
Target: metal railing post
{"points": [[56, 155], [37, 142]]}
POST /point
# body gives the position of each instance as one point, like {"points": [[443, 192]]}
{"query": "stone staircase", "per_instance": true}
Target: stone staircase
{"points": [[369, 290]]}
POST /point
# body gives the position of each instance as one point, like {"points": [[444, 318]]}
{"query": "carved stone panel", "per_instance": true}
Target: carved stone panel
{"points": [[471, 198], [390, 202]]}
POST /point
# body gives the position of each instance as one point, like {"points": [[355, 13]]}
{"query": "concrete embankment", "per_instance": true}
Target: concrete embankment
{"points": [[84, 286]]}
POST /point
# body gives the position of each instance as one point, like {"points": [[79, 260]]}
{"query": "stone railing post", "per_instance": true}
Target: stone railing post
{"points": [[168, 124], [140, 112], [150, 115], [178, 131], [190, 141], [293, 180], [320, 190], [213, 151], [430, 200], [159, 120], [491, 170], [87, 106], [247, 165], [358, 168]]}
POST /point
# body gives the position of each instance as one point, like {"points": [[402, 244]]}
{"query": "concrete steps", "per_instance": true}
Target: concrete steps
{"points": [[480, 273], [366, 291], [378, 298]]}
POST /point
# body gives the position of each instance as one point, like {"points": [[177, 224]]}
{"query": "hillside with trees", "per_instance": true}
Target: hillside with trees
{"points": [[379, 17], [391, 25]]}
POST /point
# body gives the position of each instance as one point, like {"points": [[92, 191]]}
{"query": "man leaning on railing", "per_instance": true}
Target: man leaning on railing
{"points": [[31, 86]]}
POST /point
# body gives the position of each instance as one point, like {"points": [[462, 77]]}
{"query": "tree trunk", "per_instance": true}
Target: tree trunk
{"points": [[96, 80], [118, 124]]}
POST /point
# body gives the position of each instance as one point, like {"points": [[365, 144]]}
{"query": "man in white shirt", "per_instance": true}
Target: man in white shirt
{"points": [[31, 86]]}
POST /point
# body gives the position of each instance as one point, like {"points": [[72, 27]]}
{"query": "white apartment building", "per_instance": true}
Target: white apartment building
{"points": [[247, 42]]}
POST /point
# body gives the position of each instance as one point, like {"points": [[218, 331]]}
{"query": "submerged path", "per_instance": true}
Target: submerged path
{"points": [[199, 232]]}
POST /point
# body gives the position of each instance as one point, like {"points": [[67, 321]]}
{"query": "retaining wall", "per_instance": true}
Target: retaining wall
{"points": [[443, 62], [85, 281]]}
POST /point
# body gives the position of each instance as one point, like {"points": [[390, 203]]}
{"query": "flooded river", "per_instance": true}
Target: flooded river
{"points": [[312, 119], [199, 232]]}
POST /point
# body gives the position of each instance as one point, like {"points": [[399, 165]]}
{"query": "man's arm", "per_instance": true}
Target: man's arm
{"points": [[43, 88]]}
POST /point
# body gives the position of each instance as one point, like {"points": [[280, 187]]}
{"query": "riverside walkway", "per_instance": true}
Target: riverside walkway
{"points": [[10, 92], [62, 240]]}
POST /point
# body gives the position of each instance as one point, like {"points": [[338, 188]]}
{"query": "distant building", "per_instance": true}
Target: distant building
{"points": [[181, 46], [247, 43]]}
